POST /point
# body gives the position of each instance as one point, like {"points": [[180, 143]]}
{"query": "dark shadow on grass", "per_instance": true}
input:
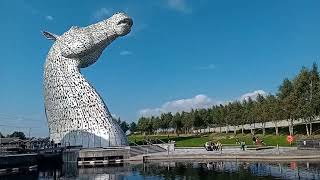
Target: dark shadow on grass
{"points": [[155, 140]]}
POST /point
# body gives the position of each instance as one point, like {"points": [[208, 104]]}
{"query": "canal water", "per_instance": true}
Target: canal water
{"points": [[180, 171]]}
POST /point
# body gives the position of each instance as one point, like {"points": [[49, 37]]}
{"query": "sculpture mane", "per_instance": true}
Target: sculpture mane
{"points": [[75, 112]]}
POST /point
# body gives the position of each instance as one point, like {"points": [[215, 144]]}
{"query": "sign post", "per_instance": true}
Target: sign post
{"points": [[290, 139]]}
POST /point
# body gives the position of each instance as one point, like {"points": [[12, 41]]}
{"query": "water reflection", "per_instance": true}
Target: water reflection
{"points": [[184, 170]]}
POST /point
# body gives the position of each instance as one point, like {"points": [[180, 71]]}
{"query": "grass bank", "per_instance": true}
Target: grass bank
{"points": [[227, 139]]}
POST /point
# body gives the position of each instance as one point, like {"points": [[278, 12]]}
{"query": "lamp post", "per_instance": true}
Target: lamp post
{"points": [[0, 145]]}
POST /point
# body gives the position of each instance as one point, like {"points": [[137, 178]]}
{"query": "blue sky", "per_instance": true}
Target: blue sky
{"points": [[180, 54]]}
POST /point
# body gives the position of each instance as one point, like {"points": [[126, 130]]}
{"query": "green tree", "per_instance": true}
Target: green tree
{"points": [[220, 116], [209, 119], [156, 125], [205, 117], [198, 122], [124, 126], [153, 124], [314, 94], [187, 121], [17, 134], [288, 102], [176, 123], [165, 119], [250, 114], [227, 116], [236, 115], [301, 92], [245, 114], [145, 125], [272, 108], [133, 127], [261, 112]]}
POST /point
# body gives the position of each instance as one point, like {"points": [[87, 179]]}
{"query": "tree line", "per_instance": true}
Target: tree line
{"points": [[125, 126], [16, 134], [298, 98]]}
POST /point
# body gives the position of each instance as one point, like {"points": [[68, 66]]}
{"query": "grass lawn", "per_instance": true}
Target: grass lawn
{"points": [[181, 141], [199, 140], [269, 140]]}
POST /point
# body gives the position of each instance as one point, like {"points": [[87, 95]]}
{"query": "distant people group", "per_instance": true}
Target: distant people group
{"points": [[210, 146], [257, 141]]}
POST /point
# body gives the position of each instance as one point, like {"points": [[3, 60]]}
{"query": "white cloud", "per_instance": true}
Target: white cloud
{"points": [[208, 67], [115, 116], [49, 18], [125, 53], [196, 102], [253, 95], [179, 5], [101, 13]]}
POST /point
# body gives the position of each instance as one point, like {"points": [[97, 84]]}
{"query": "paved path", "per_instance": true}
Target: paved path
{"points": [[285, 153]]}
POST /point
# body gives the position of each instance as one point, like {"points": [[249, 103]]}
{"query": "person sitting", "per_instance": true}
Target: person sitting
{"points": [[213, 145], [218, 146], [254, 140], [237, 141], [208, 146], [258, 141]]}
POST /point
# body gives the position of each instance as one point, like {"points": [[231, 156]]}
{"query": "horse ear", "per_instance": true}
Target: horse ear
{"points": [[50, 35]]}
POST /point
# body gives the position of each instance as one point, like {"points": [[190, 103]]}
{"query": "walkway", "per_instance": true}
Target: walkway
{"points": [[284, 153]]}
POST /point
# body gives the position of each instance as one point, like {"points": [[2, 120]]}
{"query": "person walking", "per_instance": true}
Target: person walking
{"points": [[243, 145]]}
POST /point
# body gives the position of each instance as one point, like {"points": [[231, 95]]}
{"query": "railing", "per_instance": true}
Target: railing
{"points": [[151, 140], [308, 144], [161, 141], [144, 149], [148, 141], [316, 132]]}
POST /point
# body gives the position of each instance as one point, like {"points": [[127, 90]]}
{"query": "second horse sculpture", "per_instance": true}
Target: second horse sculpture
{"points": [[75, 112]]}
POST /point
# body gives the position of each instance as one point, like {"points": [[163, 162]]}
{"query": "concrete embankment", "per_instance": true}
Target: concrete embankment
{"points": [[235, 154], [18, 163], [18, 160], [232, 157]]}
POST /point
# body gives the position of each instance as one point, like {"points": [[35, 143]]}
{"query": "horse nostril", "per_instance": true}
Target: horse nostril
{"points": [[127, 21], [130, 22]]}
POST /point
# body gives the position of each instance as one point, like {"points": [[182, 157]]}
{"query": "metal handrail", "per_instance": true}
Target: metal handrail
{"points": [[161, 141], [148, 142], [146, 150], [134, 143], [154, 138], [316, 131]]}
